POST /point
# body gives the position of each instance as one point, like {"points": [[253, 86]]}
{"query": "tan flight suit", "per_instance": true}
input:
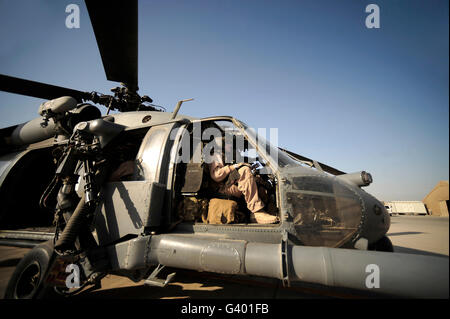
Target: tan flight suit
{"points": [[245, 185]]}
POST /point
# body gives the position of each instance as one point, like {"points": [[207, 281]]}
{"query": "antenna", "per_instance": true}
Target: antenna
{"points": [[177, 108]]}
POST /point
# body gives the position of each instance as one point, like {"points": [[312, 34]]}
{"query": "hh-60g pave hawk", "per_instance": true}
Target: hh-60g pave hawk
{"points": [[123, 203]]}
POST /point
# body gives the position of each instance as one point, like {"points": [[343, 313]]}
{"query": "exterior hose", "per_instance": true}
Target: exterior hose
{"points": [[72, 229]]}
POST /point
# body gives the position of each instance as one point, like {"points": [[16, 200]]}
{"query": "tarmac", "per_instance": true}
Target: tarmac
{"points": [[425, 235]]}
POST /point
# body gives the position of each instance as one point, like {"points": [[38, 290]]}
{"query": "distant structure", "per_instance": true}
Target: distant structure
{"points": [[437, 201], [399, 207]]}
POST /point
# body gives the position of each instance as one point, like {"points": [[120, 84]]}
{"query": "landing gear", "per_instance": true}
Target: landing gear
{"points": [[29, 273]]}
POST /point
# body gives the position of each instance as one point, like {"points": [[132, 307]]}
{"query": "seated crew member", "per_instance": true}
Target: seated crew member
{"points": [[243, 184]]}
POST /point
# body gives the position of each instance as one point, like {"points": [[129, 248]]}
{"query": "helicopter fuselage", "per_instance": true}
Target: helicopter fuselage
{"points": [[322, 217], [315, 208]]}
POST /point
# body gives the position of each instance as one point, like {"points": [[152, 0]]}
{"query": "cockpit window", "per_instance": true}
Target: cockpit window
{"points": [[278, 156], [325, 212]]}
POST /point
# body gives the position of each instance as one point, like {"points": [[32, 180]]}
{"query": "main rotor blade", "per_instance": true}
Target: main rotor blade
{"points": [[37, 89], [115, 25]]}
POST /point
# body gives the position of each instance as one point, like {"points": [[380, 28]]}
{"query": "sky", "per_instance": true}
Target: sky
{"points": [[352, 97]]}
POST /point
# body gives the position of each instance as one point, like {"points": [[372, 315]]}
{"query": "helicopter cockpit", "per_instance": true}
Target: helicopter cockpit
{"points": [[195, 188], [323, 205]]}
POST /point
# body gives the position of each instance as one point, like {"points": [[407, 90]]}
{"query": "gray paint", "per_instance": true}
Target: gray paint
{"points": [[403, 275], [126, 208], [32, 132]]}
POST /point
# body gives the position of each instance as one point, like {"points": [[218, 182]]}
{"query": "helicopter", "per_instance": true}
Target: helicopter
{"points": [[129, 194]]}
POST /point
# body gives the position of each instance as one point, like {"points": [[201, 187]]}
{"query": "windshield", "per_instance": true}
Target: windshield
{"points": [[277, 156], [325, 211]]}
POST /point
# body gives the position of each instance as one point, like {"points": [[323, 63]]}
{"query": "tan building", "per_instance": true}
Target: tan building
{"points": [[437, 201]]}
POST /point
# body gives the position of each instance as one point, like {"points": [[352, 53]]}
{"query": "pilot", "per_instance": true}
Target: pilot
{"points": [[237, 180]]}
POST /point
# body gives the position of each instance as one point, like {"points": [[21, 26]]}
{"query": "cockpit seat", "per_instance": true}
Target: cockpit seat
{"points": [[197, 183]]}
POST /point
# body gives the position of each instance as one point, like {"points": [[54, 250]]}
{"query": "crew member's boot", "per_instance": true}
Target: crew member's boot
{"points": [[261, 217]]}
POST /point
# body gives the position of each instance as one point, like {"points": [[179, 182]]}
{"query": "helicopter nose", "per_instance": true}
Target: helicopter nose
{"points": [[387, 219], [376, 219], [381, 211]]}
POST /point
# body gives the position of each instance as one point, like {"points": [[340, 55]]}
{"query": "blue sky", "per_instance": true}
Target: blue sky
{"points": [[351, 97]]}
